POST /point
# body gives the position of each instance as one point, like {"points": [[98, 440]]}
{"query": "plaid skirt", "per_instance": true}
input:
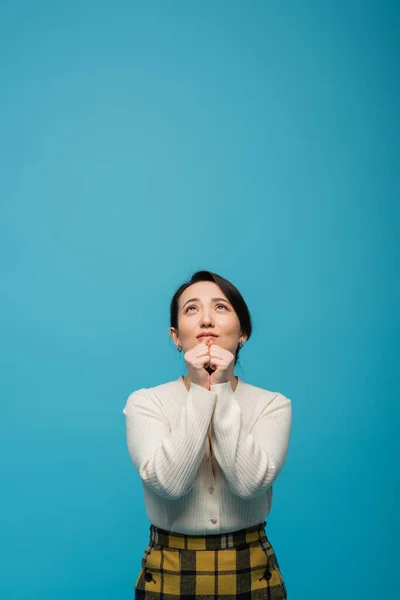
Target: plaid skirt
{"points": [[230, 565]]}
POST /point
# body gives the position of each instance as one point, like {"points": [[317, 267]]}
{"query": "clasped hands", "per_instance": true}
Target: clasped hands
{"points": [[209, 364]]}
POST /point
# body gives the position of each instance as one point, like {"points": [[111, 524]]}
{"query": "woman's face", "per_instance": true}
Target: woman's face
{"points": [[204, 308]]}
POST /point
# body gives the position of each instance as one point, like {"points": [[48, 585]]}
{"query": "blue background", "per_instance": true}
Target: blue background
{"points": [[141, 141]]}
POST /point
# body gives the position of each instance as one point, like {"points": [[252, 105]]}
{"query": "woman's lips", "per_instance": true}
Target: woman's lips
{"points": [[206, 337]]}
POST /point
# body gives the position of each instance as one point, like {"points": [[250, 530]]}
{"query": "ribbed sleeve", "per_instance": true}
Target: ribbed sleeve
{"points": [[168, 461], [250, 461]]}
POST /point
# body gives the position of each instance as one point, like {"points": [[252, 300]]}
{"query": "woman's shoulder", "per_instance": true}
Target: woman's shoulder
{"points": [[157, 396], [262, 393], [163, 389], [156, 392]]}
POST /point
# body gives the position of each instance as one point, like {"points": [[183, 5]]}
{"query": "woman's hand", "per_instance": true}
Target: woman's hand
{"points": [[221, 362], [197, 360]]}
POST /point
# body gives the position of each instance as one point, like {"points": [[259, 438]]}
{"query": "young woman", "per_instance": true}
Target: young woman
{"points": [[208, 447]]}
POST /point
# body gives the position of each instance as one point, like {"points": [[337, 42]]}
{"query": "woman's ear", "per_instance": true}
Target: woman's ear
{"points": [[174, 335]]}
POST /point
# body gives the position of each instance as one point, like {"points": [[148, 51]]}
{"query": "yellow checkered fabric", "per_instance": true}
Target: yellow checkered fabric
{"points": [[230, 565]]}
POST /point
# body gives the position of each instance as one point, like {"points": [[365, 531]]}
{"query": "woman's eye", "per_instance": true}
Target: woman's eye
{"points": [[192, 306]]}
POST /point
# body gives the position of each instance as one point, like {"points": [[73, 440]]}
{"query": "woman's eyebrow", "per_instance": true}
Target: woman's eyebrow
{"points": [[212, 299]]}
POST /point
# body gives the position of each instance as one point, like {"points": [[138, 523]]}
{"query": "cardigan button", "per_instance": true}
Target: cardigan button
{"points": [[267, 574], [148, 576]]}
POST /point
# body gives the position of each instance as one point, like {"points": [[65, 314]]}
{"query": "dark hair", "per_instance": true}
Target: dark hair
{"points": [[230, 291]]}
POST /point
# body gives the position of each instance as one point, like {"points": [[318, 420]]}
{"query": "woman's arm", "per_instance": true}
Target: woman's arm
{"points": [[250, 461], [168, 461]]}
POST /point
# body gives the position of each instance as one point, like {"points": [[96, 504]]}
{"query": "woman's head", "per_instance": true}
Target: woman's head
{"points": [[209, 303]]}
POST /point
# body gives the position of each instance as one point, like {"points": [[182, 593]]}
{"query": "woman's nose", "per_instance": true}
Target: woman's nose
{"points": [[206, 318]]}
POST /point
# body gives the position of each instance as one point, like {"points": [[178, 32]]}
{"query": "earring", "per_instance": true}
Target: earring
{"points": [[241, 344], [179, 348]]}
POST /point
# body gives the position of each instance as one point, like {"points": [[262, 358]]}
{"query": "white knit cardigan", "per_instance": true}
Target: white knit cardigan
{"points": [[207, 458]]}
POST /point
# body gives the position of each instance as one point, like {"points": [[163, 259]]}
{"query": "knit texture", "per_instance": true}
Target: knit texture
{"points": [[207, 458]]}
